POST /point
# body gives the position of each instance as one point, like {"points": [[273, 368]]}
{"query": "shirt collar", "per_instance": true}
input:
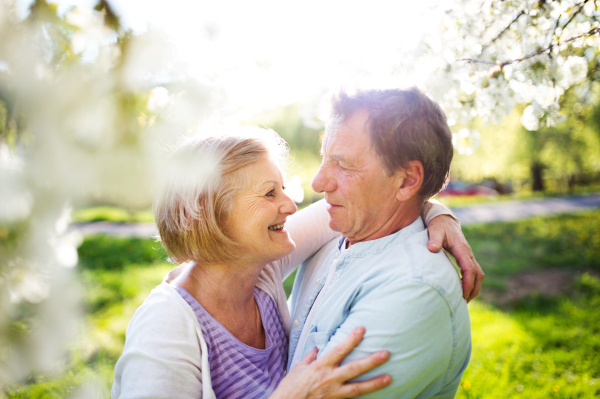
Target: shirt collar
{"points": [[373, 247]]}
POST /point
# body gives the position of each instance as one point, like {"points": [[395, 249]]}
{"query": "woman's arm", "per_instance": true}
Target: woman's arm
{"points": [[162, 356], [444, 232], [309, 228]]}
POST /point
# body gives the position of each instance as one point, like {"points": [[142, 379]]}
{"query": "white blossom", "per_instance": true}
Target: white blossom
{"points": [[159, 99], [502, 54], [80, 142], [466, 141], [530, 119]]}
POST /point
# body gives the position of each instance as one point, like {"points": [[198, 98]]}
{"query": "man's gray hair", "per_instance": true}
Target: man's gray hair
{"points": [[404, 125]]}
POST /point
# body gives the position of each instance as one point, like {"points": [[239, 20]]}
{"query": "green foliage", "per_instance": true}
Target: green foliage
{"points": [[110, 18], [110, 253], [111, 214], [509, 152], [500, 154], [289, 283], [287, 123], [304, 142], [565, 241]]}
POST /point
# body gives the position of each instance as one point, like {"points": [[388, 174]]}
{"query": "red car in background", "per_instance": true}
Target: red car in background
{"points": [[457, 187]]}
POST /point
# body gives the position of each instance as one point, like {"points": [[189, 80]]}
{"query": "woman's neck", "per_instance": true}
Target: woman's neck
{"points": [[226, 291]]}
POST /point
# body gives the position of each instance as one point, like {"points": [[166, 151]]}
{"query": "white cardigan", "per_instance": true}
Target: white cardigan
{"points": [[165, 354]]}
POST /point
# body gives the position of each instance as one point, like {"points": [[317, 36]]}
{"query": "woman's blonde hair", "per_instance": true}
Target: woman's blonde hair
{"points": [[205, 175]]}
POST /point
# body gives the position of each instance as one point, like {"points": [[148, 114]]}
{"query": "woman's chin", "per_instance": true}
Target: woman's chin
{"points": [[292, 246], [286, 249]]}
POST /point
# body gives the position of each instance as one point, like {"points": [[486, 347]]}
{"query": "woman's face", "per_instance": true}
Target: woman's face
{"points": [[257, 221]]}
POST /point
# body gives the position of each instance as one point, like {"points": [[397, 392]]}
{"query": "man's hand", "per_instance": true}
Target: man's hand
{"points": [[445, 232]]}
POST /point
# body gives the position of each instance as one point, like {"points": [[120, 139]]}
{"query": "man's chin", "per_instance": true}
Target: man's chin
{"points": [[335, 226]]}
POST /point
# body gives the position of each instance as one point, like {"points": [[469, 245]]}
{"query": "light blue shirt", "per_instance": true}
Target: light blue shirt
{"points": [[408, 299]]}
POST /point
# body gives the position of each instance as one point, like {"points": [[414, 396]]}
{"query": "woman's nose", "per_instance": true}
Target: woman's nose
{"points": [[289, 206]]}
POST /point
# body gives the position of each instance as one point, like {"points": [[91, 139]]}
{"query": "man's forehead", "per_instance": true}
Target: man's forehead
{"points": [[333, 123], [353, 128]]}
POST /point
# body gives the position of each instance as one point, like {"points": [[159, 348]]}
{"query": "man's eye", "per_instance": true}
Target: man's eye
{"points": [[271, 193]]}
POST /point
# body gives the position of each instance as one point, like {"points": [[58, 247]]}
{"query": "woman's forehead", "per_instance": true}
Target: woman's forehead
{"points": [[264, 171]]}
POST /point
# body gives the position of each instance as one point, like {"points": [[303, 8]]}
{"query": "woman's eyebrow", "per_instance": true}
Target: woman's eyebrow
{"points": [[269, 181]]}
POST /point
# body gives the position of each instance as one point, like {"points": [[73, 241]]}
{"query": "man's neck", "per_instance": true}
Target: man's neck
{"points": [[403, 216]]}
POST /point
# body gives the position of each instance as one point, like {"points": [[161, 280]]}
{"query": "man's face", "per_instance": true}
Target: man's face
{"points": [[360, 194]]}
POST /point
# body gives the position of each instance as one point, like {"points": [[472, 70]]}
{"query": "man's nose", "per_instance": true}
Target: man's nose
{"points": [[323, 180]]}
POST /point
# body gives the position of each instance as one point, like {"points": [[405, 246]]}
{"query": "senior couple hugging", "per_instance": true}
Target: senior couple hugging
{"points": [[377, 309]]}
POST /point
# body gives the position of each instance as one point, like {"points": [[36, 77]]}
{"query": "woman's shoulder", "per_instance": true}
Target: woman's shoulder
{"points": [[163, 355], [162, 311]]}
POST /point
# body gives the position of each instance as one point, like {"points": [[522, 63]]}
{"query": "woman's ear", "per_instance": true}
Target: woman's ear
{"points": [[409, 180]]}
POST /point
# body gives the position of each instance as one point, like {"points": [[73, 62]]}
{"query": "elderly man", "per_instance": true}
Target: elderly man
{"points": [[384, 154]]}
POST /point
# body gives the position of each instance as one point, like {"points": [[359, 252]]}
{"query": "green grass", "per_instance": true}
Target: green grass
{"points": [[543, 347], [570, 242]]}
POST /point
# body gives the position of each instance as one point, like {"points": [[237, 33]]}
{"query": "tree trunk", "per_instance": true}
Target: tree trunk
{"points": [[537, 175]]}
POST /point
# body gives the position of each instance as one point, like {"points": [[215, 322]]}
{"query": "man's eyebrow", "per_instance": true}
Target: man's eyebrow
{"points": [[339, 158]]}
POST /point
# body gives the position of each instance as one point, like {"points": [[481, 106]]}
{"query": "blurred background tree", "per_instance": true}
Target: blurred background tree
{"points": [[85, 116]]}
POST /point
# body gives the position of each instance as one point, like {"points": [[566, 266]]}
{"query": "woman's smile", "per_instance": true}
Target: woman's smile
{"points": [[277, 227]]}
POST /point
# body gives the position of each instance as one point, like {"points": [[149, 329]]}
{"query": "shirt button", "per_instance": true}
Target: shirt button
{"points": [[336, 255], [296, 323], [318, 281]]}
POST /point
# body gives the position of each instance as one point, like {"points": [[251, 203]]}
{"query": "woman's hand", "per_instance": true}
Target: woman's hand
{"points": [[444, 231], [324, 378]]}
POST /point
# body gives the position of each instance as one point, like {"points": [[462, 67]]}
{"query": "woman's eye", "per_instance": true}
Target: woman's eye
{"points": [[271, 193]]}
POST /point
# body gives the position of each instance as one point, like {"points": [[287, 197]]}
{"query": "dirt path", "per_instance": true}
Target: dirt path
{"points": [[516, 210], [553, 282]]}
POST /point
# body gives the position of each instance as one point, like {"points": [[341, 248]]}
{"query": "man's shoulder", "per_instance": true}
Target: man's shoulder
{"points": [[409, 262]]}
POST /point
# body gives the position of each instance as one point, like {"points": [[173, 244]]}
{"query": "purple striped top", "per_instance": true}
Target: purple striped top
{"points": [[236, 369]]}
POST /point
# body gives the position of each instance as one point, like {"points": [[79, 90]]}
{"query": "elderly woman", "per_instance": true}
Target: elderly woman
{"points": [[218, 325]]}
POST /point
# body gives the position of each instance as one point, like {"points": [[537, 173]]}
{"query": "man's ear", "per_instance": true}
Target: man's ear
{"points": [[409, 180]]}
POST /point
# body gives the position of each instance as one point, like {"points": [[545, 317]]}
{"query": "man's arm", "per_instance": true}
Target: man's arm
{"points": [[412, 322]]}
